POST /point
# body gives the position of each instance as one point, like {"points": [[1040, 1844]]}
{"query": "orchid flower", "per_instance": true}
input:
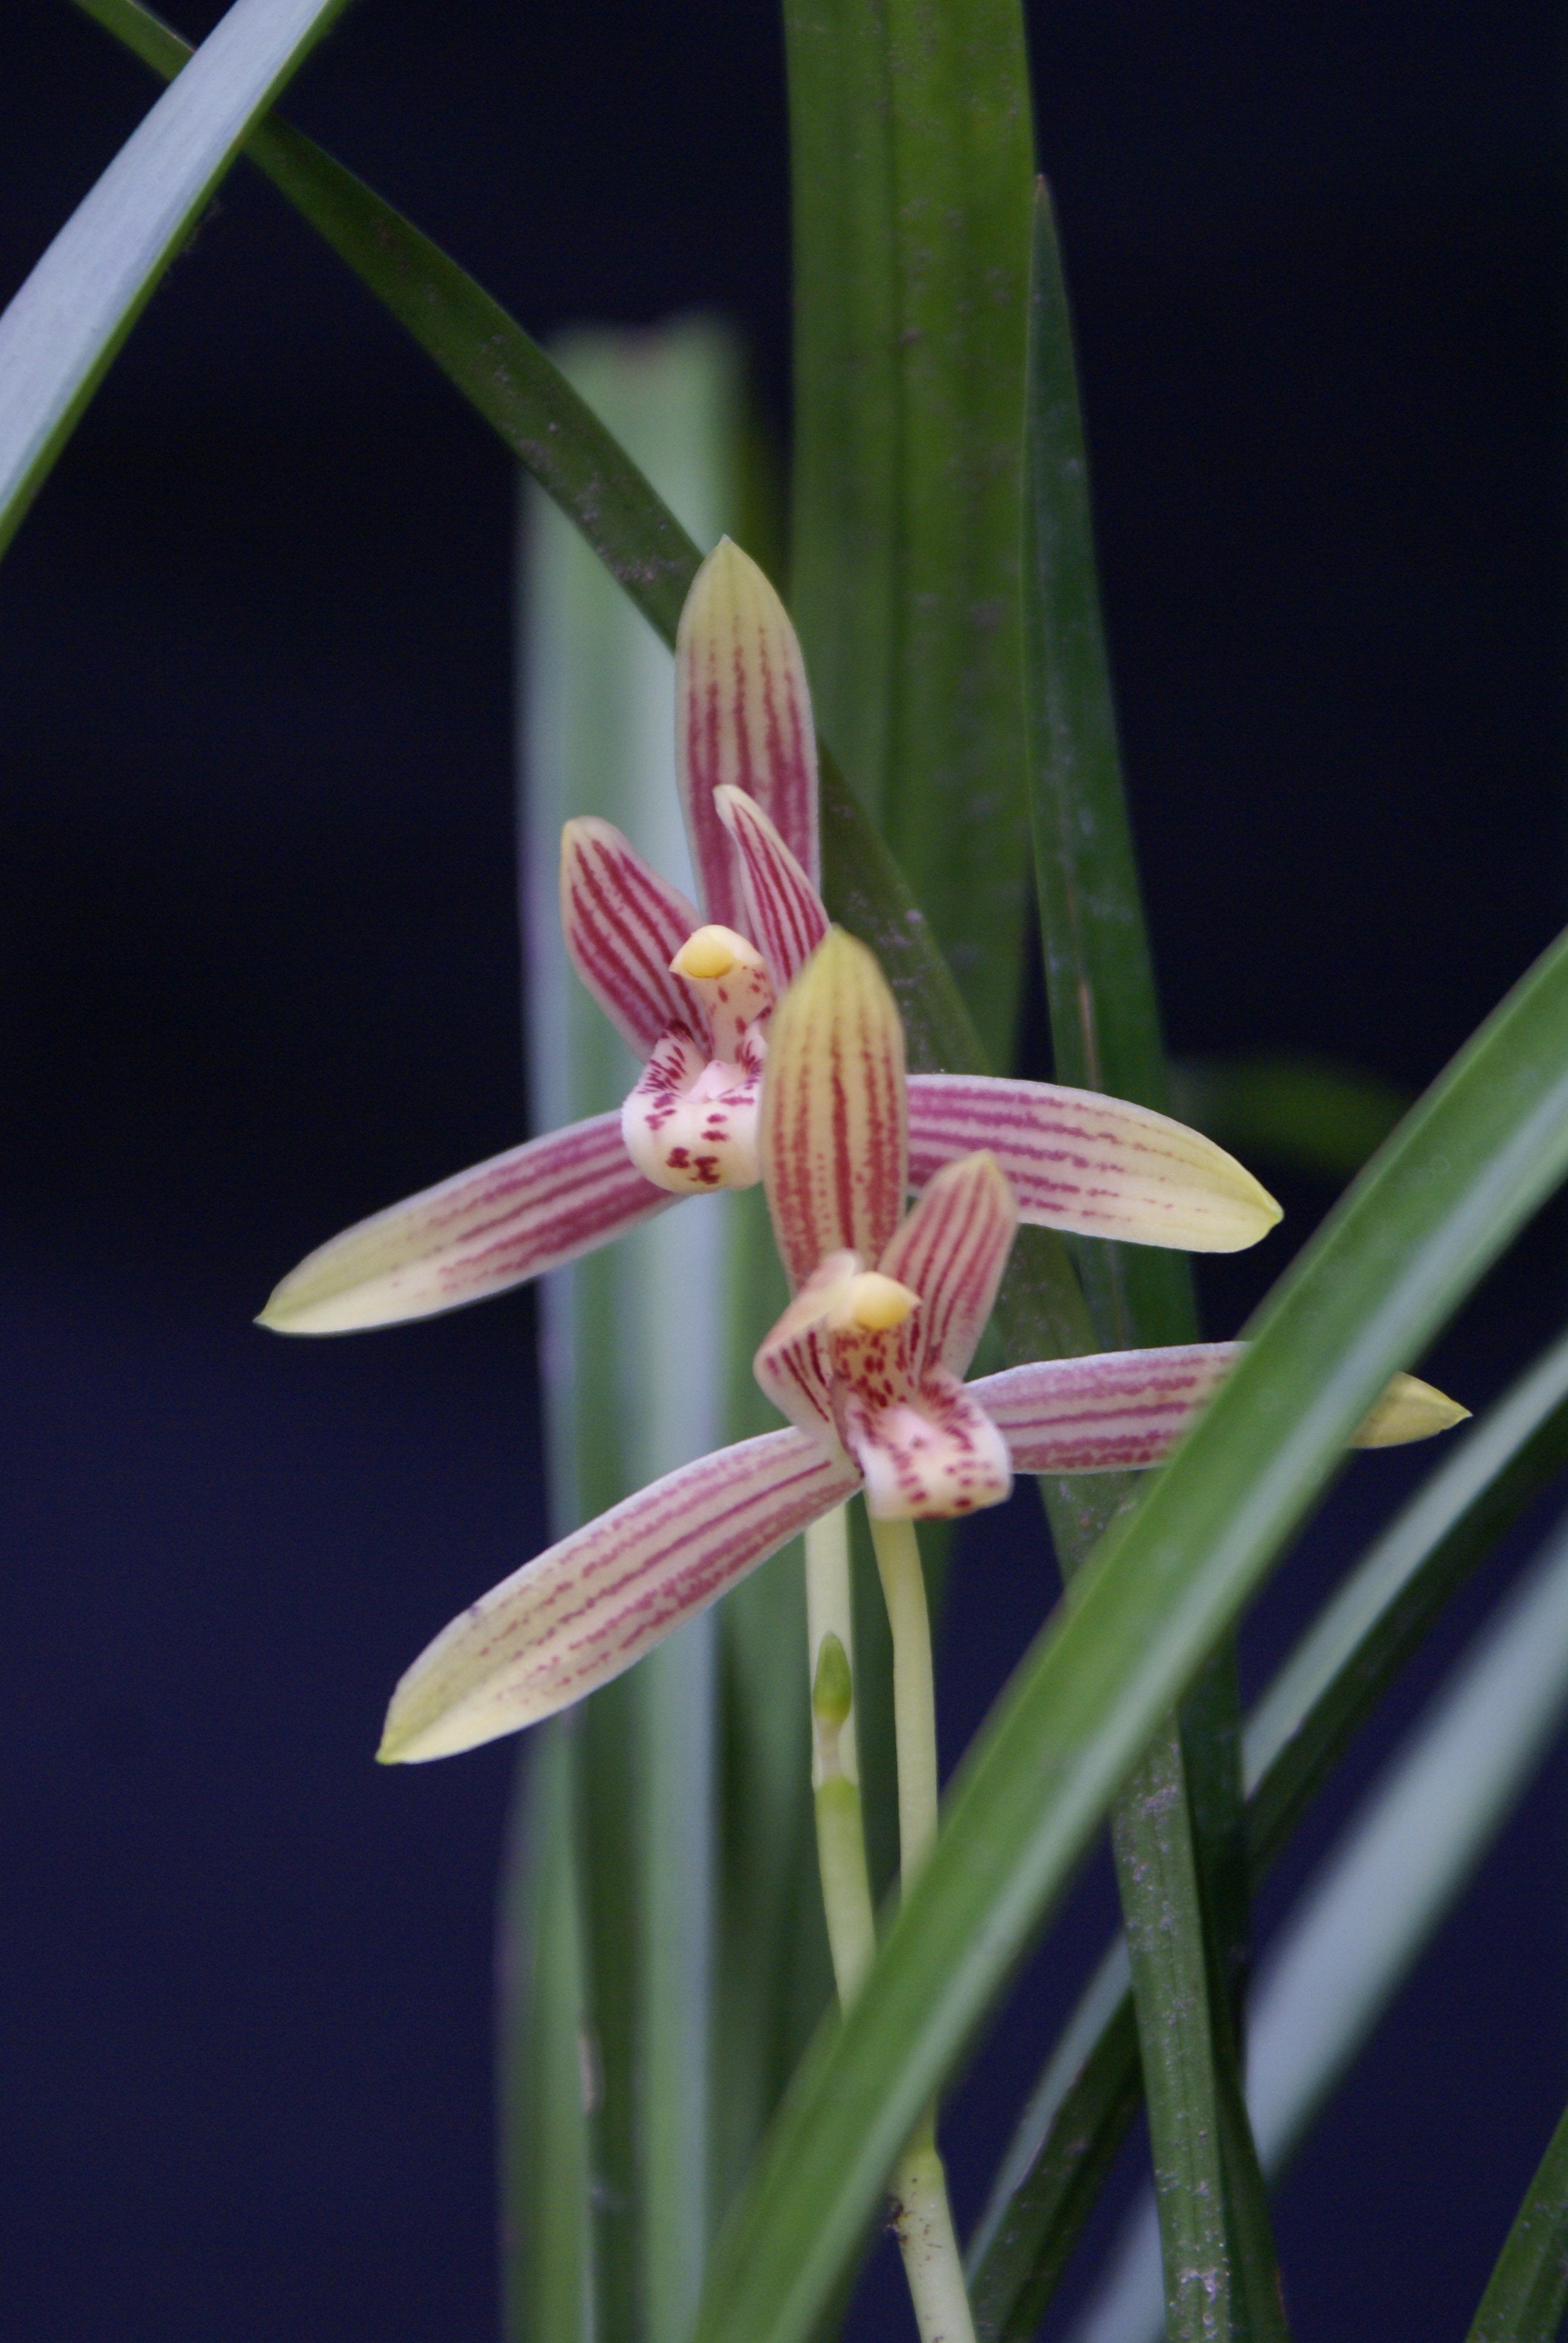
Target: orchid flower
{"points": [[867, 1360], [693, 993]]}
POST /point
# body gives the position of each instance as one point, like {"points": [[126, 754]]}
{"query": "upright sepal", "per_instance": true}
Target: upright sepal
{"points": [[581, 1612], [832, 1139], [743, 718], [623, 925], [787, 914]]}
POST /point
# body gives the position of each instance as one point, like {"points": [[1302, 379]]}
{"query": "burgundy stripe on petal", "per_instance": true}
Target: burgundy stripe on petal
{"points": [[951, 1249], [623, 925], [581, 1612], [832, 1139], [1116, 1412], [1093, 1164], [788, 916], [743, 716], [507, 1219]]}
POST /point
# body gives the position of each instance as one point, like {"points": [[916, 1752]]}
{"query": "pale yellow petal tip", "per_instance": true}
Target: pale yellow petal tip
{"points": [[1408, 1411], [296, 1309]]}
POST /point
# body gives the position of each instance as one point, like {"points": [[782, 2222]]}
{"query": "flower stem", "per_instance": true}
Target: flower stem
{"points": [[922, 2214]]}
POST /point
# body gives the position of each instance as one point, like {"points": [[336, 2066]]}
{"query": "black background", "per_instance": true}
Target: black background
{"points": [[258, 974]]}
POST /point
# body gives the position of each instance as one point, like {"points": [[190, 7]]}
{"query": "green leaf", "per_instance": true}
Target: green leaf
{"points": [[1307, 1114], [598, 736], [911, 162], [541, 2078], [1060, 2155], [1528, 2290], [1378, 1617], [1177, 1830], [62, 331], [1076, 2115], [1375, 1905], [1483, 1148]]}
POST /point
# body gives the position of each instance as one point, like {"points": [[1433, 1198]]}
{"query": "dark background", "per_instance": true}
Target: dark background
{"points": [[260, 974]]}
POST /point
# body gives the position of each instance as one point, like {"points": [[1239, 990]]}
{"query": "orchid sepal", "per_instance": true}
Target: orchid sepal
{"points": [[742, 719], [511, 1218], [587, 1608], [1089, 1164]]}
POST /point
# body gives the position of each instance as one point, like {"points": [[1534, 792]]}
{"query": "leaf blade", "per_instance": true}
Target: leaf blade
{"points": [[62, 331], [1482, 1151]]}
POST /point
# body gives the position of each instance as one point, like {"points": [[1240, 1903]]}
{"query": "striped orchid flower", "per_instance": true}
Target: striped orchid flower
{"points": [[693, 994], [868, 1362]]}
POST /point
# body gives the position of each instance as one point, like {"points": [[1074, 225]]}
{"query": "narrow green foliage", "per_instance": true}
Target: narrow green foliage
{"points": [[607, 1870], [1156, 1872], [544, 2084], [63, 329], [911, 155], [1091, 2097], [1306, 1115], [1378, 1617], [1075, 2116], [1527, 2293], [1100, 980], [1177, 1829], [1485, 1146]]}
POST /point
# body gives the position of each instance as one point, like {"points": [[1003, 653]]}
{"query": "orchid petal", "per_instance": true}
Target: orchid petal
{"points": [[509, 1219], [792, 1362], [934, 1457], [788, 916], [833, 1145], [952, 1249], [742, 717], [585, 1610], [623, 925], [1122, 1409], [1095, 1165]]}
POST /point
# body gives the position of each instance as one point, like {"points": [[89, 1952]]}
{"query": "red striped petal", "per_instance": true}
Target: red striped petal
{"points": [[742, 717], [581, 1612], [788, 916], [1122, 1409], [792, 1362], [833, 1139], [623, 925], [506, 1220], [952, 1249], [1116, 1412], [1093, 1164]]}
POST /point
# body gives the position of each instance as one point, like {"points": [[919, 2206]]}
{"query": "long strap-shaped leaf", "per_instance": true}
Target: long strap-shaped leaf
{"points": [[1176, 1827], [63, 326], [1366, 1916], [1078, 2112], [910, 162], [1484, 1147], [1527, 2291]]}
